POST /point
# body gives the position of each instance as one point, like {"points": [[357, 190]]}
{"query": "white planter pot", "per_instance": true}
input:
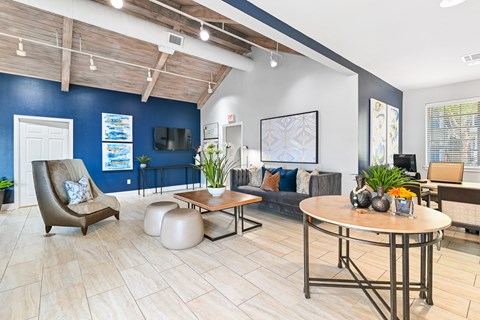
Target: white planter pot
{"points": [[216, 192], [143, 165]]}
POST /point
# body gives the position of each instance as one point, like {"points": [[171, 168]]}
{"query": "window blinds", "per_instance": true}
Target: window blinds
{"points": [[453, 132]]}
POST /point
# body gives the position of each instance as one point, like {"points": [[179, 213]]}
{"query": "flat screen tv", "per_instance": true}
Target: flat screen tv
{"points": [[172, 139], [405, 161]]}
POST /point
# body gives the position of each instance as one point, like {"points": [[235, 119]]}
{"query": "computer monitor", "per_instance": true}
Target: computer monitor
{"points": [[405, 161]]}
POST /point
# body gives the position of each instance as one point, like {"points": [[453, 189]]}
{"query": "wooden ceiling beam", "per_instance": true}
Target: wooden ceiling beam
{"points": [[162, 59], [219, 77], [169, 19], [67, 37], [270, 44], [205, 14]]}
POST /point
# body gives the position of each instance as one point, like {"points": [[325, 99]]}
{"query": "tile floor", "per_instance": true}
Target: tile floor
{"points": [[118, 272]]}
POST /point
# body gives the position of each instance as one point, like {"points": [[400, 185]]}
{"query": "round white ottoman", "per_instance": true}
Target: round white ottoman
{"points": [[152, 223], [182, 229]]}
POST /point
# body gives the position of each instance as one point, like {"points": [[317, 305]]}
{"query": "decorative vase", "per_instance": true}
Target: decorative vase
{"points": [[360, 197], [143, 165], [403, 206], [216, 192], [380, 202]]}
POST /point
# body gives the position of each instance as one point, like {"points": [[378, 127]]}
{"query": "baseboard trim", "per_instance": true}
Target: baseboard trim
{"points": [[151, 191]]}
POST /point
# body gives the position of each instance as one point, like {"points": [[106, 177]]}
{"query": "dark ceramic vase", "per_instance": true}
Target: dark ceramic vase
{"points": [[362, 199], [380, 202]]}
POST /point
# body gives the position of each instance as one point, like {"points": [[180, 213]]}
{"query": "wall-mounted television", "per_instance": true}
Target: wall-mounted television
{"points": [[172, 139]]}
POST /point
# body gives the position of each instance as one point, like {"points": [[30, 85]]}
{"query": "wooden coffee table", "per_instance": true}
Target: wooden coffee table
{"points": [[230, 199]]}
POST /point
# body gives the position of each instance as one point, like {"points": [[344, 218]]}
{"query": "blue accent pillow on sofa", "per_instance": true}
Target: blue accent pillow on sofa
{"points": [[272, 171], [288, 180]]}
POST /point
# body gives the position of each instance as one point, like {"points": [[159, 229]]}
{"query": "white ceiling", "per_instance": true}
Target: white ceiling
{"points": [[408, 43]]}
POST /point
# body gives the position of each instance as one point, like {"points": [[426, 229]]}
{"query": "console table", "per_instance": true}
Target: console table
{"points": [[428, 226], [142, 176]]}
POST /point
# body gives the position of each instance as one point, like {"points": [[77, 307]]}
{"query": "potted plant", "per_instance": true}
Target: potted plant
{"points": [[4, 184], [215, 168], [381, 179], [144, 160]]}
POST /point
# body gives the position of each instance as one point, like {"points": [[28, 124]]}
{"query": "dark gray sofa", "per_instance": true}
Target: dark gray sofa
{"points": [[326, 183]]}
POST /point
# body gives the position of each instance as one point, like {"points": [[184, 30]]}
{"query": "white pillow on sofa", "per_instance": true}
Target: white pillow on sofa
{"points": [[303, 180], [255, 176]]}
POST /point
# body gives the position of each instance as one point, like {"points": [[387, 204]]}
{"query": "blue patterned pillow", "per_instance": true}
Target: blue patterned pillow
{"points": [[78, 191]]}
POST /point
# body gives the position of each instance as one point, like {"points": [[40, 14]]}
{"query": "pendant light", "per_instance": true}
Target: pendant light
{"points": [[149, 75], [204, 35], [93, 67], [117, 4], [20, 51]]}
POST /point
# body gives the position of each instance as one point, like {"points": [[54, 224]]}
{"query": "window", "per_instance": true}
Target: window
{"points": [[453, 132]]}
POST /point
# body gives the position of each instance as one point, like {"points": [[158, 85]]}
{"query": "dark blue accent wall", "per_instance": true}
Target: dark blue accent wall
{"points": [[369, 85], [34, 97]]}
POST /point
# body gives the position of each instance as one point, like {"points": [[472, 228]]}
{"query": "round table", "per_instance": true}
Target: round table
{"points": [[338, 211]]}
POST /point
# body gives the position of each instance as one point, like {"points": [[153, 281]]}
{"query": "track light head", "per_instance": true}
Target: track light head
{"points": [[118, 4], [450, 3], [210, 90], [204, 35], [149, 76], [20, 51], [273, 60], [93, 67]]}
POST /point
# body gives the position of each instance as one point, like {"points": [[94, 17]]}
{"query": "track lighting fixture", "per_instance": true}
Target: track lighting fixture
{"points": [[210, 90], [149, 75], [204, 35], [273, 60], [118, 4], [20, 51], [93, 67], [450, 3]]}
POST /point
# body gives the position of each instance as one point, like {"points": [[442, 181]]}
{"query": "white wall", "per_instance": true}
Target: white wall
{"points": [[298, 84], [414, 118]]}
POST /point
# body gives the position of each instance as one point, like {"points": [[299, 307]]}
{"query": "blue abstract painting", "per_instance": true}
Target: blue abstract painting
{"points": [[117, 127], [117, 156]]}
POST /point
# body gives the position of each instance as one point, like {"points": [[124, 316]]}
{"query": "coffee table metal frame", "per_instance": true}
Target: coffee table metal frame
{"points": [[425, 285]]}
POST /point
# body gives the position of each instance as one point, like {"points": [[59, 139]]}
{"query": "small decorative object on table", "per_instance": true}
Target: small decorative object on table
{"points": [[215, 167], [403, 201], [382, 178], [144, 160], [360, 197]]}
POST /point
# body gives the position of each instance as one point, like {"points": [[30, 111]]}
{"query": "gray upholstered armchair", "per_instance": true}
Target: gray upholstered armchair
{"points": [[49, 177]]}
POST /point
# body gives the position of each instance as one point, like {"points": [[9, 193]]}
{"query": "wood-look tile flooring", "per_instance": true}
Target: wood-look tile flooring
{"points": [[118, 272]]}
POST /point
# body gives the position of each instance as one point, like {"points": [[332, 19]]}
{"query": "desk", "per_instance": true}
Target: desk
{"points": [[338, 211], [142, 176], [434, 185]]}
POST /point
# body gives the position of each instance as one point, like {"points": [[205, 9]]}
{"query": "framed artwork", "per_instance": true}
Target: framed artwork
{"points": [[210, 131], [384, 132], [393, 124], [117, 127], [292, 138], [117, 156]]}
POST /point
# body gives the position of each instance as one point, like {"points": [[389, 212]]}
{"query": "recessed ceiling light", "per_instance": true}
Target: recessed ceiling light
{"points": [[118, 4], [450, 3]]}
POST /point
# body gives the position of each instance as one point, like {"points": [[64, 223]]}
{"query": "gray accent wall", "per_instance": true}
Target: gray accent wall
{"points": [[298, 84]]}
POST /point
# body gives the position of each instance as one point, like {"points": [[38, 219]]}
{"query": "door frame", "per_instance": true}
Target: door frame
{"points": [[16, 145]]}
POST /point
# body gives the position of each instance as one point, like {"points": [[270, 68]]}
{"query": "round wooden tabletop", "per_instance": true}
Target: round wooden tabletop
{"points": [[339, 211]]}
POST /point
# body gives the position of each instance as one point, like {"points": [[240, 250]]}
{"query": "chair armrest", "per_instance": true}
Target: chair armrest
{"points": [[239, 177], [326, 183]]}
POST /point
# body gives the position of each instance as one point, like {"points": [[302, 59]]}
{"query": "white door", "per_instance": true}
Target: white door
{"points": [[232, 134], [39, 140]]}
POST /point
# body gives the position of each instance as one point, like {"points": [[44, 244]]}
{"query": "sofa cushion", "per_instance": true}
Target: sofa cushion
{"points": [[101, 202], [78, 191], [271, 170], [288, 180], [303, 181], [255, 177], [271, 181]]}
